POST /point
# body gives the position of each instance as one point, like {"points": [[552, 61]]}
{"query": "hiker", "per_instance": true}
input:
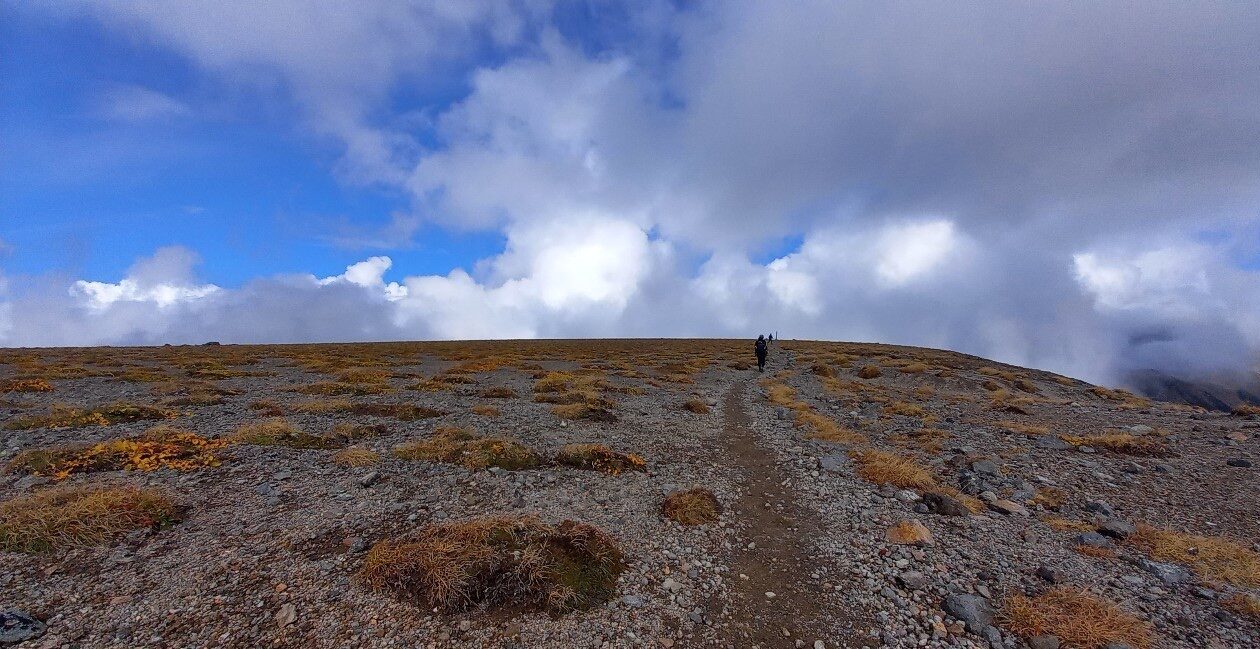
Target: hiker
{"points": [[760, 348]]}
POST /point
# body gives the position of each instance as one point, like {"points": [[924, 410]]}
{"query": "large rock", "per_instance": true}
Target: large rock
{"points": [[1093, 540], [986, 467], [909, 532], [1044, 642], [1052, 443], [17, 626], [836, 463], [1008, 507], [1117, 528], [1169, 573], [974, 610], [944, 504]]}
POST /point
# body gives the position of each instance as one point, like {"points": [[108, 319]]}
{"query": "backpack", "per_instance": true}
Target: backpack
{"points": [[760, 347]]}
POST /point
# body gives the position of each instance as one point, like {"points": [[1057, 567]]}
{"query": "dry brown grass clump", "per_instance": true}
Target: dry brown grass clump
{"points": [[498, 393], [695, 506], [65, 517], [267, 408], [321, 406], [780, 394], [279, 432], [1060, 524], [115, 413], [881, 467], [356, 456], [597, 457], [823, 370], [1077, 617], [1095, 552], [870, 372], [913, 368], [485, 410], [328, 388], [1246, 410], [515, 561], [824, 428], [1123, 443], [461, 446], [905, 409], [25, 385], [160, 447], [697, 406], [1212, 557], [587, 411], [1243, 604], [1124, 398], [399, 411]]}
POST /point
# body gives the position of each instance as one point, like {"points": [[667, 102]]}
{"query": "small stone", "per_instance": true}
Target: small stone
{"points": [[945, 505], [1052, 443], [819, 644], [1043, 642], [770, 595], [671, 585], [1169, 573], [1141, 429], [912, 580], [287, 615], [1239, 462], [1100, 507], [837, 463], [369, 479], [1050, 574], [633, 601], [986, 467]]}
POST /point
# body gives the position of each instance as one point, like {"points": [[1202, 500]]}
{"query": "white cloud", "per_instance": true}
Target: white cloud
{"points": [[370, 274], [138, 104]]}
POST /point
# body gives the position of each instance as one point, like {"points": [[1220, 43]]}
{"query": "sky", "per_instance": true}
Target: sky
{"points": [[1069, 186]]}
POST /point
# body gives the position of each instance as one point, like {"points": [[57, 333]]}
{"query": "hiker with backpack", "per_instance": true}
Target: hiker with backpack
{"points": [[761, 348]]}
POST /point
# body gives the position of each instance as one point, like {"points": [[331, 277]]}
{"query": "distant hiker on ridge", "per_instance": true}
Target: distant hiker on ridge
{"points": [[760, 348]]}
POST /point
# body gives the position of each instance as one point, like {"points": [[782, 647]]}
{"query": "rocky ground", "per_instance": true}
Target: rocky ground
{"points": [[1009, 484]]}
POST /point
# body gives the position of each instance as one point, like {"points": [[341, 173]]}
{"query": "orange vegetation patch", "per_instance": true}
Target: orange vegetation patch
{"points": [[1123, 443], [25, 385], [697, 406], [513, 561], [692, 507], [65, 517], [356, 456], [870, 372], [160, 447], [1077, 617]]}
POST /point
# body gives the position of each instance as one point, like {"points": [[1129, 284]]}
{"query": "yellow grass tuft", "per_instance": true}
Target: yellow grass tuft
{"points": [[485, 411], [1123, 443], [66, 517], [279, 432], [1077, 617], [356, 456], [1212, 557], [881, 467], [692, 507], [1246, 410], [1244, 604]]}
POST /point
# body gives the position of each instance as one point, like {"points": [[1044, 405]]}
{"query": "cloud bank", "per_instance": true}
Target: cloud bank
{"points": [[1064, 186]]}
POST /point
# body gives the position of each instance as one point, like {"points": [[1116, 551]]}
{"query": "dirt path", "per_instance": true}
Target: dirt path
{"points": [[774, 554]]}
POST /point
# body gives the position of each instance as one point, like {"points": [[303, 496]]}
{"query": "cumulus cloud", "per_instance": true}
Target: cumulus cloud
{"points": [[1029, 182]]}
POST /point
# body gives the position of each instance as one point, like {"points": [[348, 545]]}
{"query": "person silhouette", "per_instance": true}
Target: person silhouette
{"points": [[761, 349]]}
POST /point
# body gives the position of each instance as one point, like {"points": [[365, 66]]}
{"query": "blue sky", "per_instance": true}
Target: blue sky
{"points": [[87, 192], [978, 177]]}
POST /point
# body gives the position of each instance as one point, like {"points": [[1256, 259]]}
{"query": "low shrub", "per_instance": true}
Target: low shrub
{"points": [[1077, 617], [65, 517], [460, 446], [1122, 443], [115, 413], [485, 411], [279, 432], [514, 561], [597, 457], [697, 406], [586, 411], [160, 447], [692, 507], [870, 372]]}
